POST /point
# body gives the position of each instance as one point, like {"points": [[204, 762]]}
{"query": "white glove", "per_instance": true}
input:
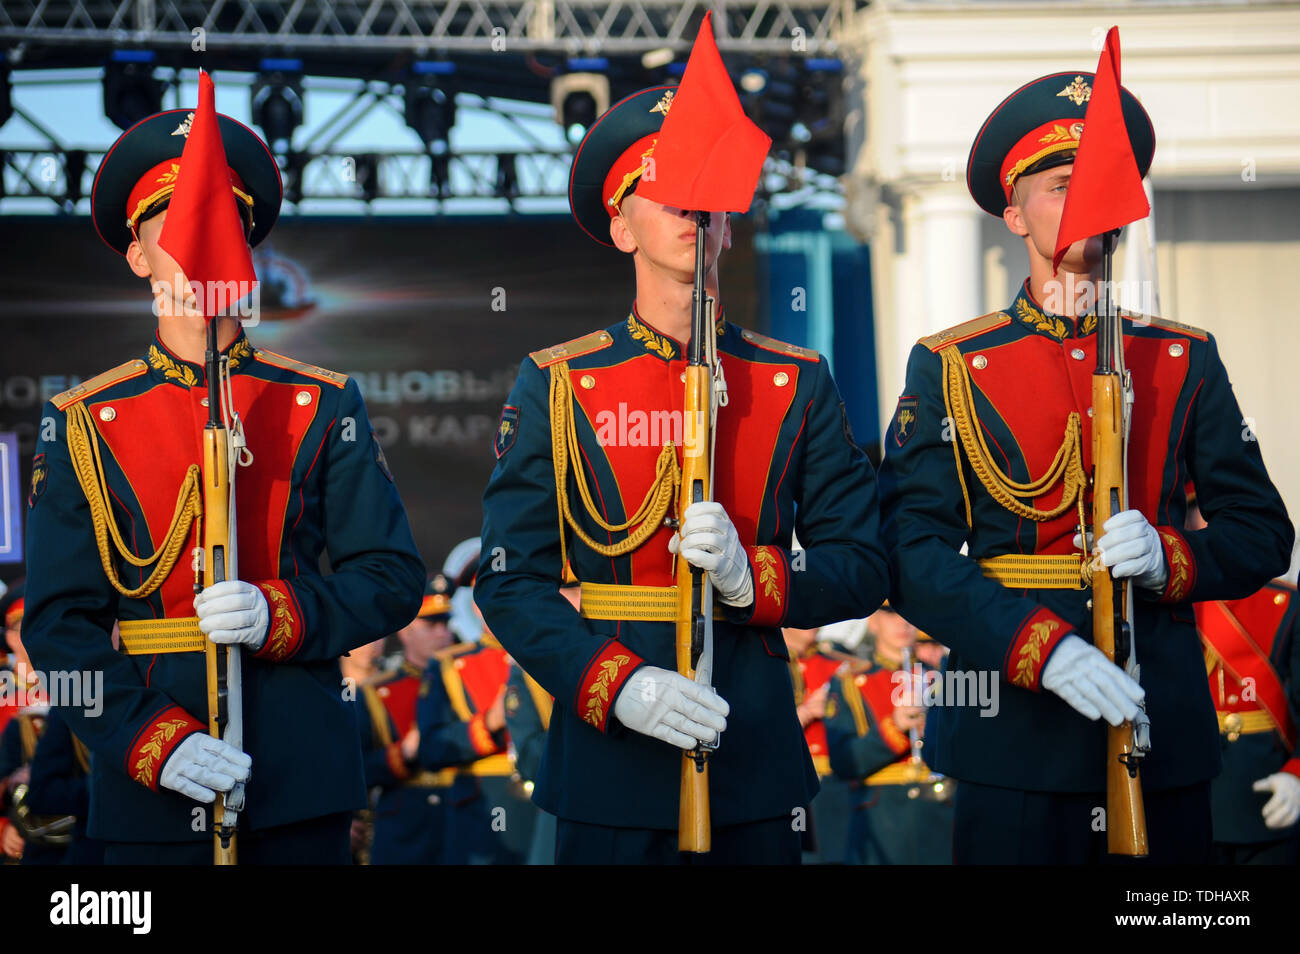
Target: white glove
{"points": [[668, 706], [201, 766], [1283, 809], [708, 540], [233, 612], [1130, 547], [1081, 674]]}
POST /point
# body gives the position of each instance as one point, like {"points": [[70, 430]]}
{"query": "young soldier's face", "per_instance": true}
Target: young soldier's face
{"points": [[1035, 213], [665, 237], [171, 290]]}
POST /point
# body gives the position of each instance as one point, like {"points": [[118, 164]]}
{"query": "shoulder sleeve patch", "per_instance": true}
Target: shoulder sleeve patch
{"points": [[576, 348], [85, 389], [1167, 325], [301, 367], [507, 428], [967, 329], [780, 347]]}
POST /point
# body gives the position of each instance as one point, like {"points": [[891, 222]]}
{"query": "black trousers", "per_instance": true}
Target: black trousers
{"points": [[1285, 851], [316, 841], [1004, 826], [773, 841]]}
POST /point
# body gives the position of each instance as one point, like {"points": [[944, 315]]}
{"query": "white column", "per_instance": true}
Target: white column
{"points": [[950, 241]]}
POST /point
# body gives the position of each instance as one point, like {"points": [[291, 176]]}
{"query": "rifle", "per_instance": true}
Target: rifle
{"points": [[694, 593], [1112, 631], [219, 560]]}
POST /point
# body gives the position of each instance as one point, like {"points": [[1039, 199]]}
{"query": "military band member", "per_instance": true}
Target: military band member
{"points": [[900, 814], [812, 665], [1252, 657], [59, 791], [113, 520], [462, 736], [785, 461], [991, 446], [410, 814]]}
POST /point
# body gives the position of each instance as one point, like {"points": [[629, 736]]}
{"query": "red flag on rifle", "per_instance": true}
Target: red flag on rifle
{"points": [[1105, 186], [203, 231], [709, 153]]}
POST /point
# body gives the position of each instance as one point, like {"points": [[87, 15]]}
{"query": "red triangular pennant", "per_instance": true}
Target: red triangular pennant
{"points": [[1105, 189], [709, 153], [203, 231]]}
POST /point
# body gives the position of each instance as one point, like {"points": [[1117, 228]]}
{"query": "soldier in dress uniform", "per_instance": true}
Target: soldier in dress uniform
{"points": [[410, 815], [991, 446], [461, 720], [112, 521], [786, 461], [812, 664], [1252, 656], [901, 812]]}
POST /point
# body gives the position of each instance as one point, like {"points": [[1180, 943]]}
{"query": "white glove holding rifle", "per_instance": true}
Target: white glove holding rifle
{"points": [[1094, 686], [707, 539], [233, 612], [201, 766], [668, 706], [1130, 547]]}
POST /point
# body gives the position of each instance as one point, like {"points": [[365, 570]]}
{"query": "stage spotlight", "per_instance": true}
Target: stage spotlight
{"points": [[577, 99], [130, 91], [753, 81], [276, 101], [430, 103], [507, 184]]}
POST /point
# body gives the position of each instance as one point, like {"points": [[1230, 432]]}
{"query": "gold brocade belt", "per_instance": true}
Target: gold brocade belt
{"points": [[642, 604], [900, 773], [1037, 571], [144, 637], [1234, 724], [492, 766]]}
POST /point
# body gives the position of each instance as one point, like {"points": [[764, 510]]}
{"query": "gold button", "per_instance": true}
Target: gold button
{"points": [[1176, 350], [1232, 699], [683, 377], [780, 379], [204, 402], [587, 381], [980, 362], [107, 413], [1078, 354], [1279, 599], [460, 664], [861, 680], [1090, 412], [303, 398]]}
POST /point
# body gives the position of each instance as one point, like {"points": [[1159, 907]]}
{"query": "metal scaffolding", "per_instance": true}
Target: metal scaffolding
{"points": [[559, 27]]}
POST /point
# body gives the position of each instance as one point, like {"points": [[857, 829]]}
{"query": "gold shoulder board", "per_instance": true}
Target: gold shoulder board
{"points": [[967, 329], [310, 370], [100, 381], [576, 348], [780, 347], [1167, 325]]}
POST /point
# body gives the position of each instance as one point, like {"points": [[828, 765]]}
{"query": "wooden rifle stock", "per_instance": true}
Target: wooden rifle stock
{"points": [[218, 550], [1126, 827], [693, 821]]}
